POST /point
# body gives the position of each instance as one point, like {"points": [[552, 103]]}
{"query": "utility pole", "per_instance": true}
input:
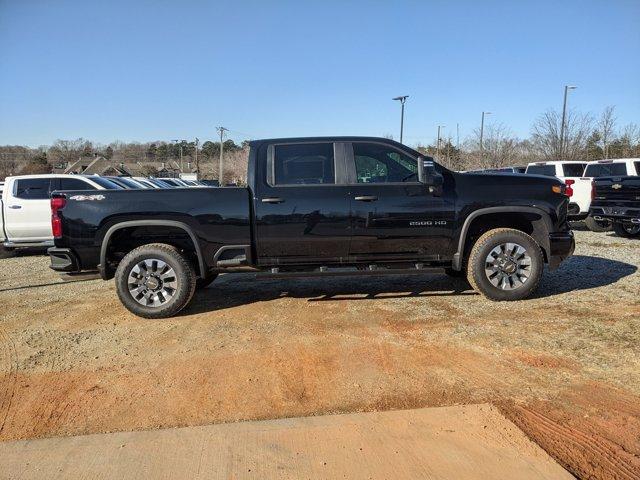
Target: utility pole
{"points": [[401, 99], [457, 136], [221, 172], [482, 131], [175, 142], [438, 144], [564, 119], [196, 160]]}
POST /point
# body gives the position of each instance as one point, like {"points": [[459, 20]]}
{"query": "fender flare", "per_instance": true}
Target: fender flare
{"points": [[146, 223], [458, 256]]}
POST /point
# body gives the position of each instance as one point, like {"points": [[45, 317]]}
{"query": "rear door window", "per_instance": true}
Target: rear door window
{"points": [[573, 169], [547, 170], [606, 170], [637, 164], [74, 184], [33, 188], [304, 164]]}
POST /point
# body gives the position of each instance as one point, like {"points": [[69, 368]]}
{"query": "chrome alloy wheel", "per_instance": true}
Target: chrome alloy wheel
{"points": [[152, 282], [508, 266]]}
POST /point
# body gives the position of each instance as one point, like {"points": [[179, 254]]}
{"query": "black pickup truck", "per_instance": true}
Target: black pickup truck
{"points": [[617, 199], [317, 206]]}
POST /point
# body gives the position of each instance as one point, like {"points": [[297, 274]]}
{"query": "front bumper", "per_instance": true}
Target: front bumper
{"points": [[561, 246], [63, 260]]}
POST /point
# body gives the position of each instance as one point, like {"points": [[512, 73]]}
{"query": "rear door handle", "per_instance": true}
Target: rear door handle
{"points": [[272, 200], [15, 207], [366, 198]]}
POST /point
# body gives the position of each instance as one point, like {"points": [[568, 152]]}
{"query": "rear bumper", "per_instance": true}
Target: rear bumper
{"points": [[616, 214], [63, 260], [561, 246]]}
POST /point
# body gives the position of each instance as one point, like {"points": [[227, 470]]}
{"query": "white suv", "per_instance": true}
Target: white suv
{"points": [[25, 210], [570, 173]]}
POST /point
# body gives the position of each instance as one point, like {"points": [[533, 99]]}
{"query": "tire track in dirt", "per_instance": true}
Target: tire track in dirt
{"points": [[9, 372], [584, 455]]}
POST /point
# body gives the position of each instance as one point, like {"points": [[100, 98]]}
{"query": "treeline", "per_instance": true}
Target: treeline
{"points": [[586, 138]]}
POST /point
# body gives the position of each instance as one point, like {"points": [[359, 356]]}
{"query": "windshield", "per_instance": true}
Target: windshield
{"points": [[606, 170], [547, 170]]}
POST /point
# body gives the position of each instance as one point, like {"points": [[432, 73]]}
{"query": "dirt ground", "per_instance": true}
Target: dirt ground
{"points": [[564, 366]]}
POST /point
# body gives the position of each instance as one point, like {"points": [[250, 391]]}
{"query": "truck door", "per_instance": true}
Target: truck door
{"points": [[301, 211], [395, 217], [27, 210]]}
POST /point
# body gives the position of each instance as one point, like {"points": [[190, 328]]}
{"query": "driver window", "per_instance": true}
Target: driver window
{"points": [[377, 163]]}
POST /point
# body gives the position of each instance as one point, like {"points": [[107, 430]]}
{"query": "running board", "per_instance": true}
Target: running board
{"points": [[372, 270]]}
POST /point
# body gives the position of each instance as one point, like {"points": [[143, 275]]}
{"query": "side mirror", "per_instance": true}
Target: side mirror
{"points": [[428, 174]]}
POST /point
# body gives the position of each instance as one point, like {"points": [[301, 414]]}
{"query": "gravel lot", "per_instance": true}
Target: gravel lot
{"points": [[564, 366]]}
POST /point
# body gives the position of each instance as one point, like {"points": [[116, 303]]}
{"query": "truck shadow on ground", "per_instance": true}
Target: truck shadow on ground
{"points": [[580, 272]]}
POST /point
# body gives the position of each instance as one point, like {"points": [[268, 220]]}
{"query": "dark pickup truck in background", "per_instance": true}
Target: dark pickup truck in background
{"points": [[617, 199], [317, 206]]}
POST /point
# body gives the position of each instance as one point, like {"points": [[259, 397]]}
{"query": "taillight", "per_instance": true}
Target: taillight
{"points": [[569, 191], [593, 190], [57, 204]]}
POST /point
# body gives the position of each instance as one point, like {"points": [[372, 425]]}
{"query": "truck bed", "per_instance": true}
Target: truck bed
{"points": [[87, 217]]}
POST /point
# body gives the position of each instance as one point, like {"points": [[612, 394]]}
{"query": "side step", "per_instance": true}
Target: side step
{"points": [[372, 270]]}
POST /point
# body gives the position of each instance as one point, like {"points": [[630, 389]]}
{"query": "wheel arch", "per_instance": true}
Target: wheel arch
{"points": [[540, 228], [105, 272]]}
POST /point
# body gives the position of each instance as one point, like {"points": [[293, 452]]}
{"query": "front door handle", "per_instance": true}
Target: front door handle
{"points": [[272, 200], [15, 207], [366, 198]]}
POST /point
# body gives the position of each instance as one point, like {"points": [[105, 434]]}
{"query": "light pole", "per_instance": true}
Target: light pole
{"points": [[438, 144], [482, 130], [401, 99], [564, 118]]}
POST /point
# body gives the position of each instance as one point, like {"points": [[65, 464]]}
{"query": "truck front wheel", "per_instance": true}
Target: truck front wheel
{"points": [[155, 281], [505, 264]]}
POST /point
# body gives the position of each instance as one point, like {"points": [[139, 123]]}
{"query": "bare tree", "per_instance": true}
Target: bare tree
{"points": [[606, 127], [545, 135]]}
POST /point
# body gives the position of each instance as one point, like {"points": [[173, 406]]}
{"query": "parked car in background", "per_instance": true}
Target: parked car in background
{"points": [[175, 182], [571, 173], [25, 219], [500, 170], [617, 199], [318, 206], [126, 182], [210, 183]]}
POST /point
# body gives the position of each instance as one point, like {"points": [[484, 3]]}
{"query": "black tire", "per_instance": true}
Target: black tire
{"points": [[627, 230], [206, 281], [170, 297], [515, 288], [597, 225]]}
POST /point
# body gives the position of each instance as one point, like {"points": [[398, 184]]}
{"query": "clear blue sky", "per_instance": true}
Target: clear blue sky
{"points": [[159, 70]]}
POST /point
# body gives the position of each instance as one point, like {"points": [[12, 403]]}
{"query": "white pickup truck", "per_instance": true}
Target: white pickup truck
{"points": [[25, 212], [578, 176]]}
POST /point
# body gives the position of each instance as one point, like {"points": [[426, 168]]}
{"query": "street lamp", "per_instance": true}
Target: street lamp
{"points": [[482, 129], [401, 99], [564, 117]]}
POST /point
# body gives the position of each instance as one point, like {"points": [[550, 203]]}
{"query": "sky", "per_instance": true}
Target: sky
{"points": [[161, 70]]}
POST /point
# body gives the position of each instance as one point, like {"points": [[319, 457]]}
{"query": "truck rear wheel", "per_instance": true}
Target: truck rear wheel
{"points": [[627, 230], [155, 281], [505, 264]]}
